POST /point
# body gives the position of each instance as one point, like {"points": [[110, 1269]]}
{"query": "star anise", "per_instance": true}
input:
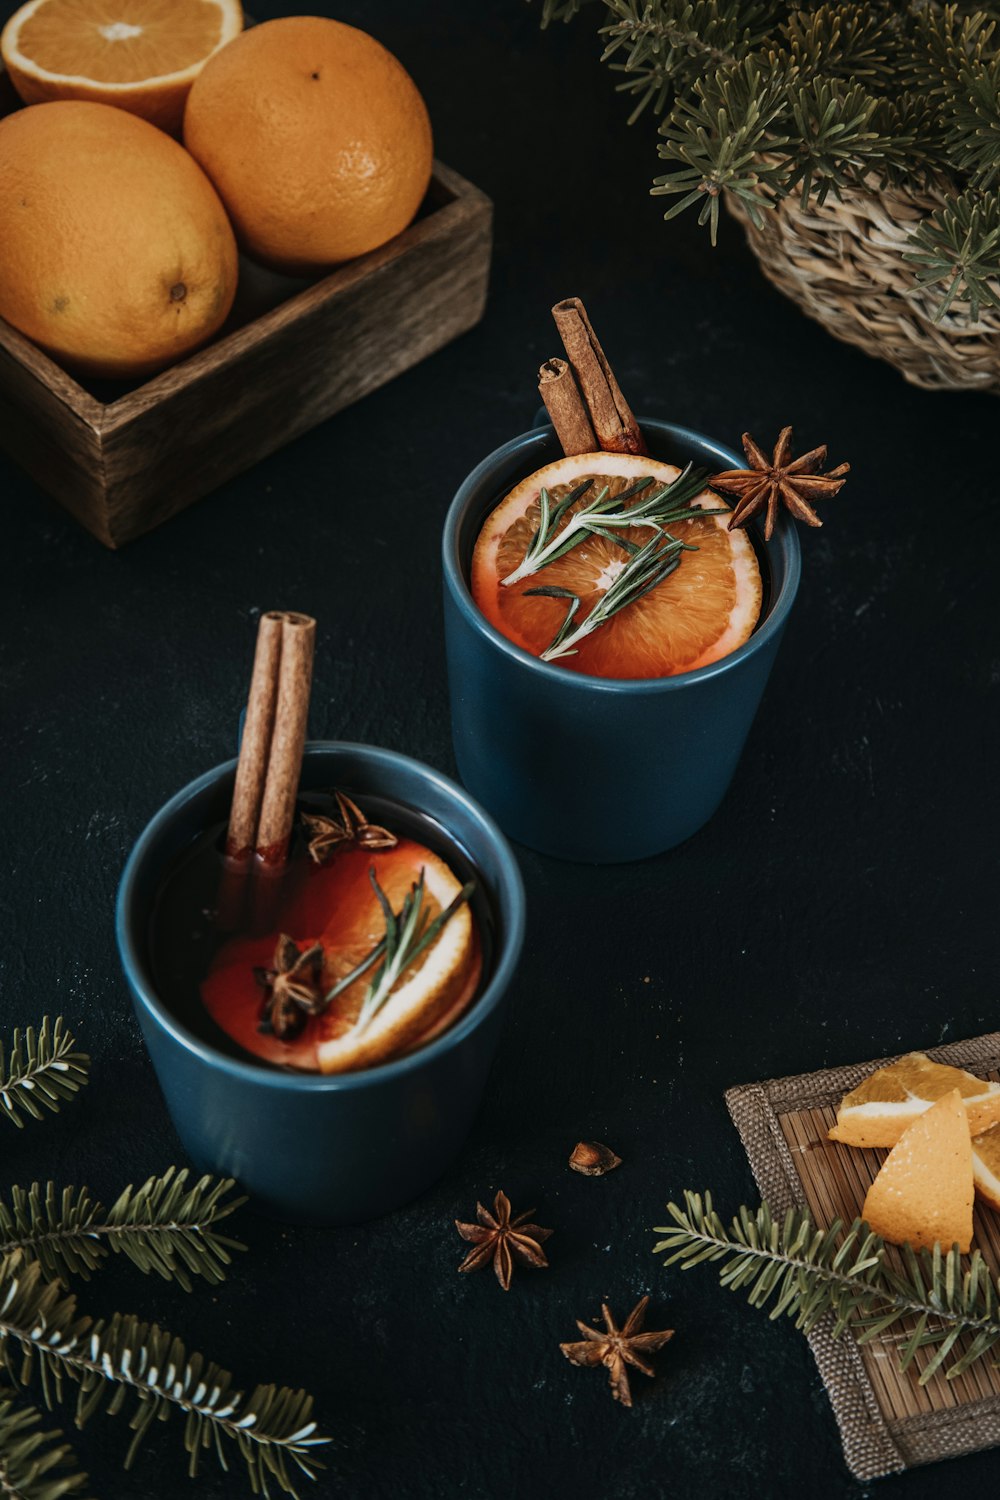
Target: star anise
{"points": [[618, 1347], [503, 1239], [293, 987], [351, 827], [779, 478]]}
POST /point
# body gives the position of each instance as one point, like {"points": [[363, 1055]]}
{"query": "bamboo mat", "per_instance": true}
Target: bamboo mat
{"points": [[887, 1421]]}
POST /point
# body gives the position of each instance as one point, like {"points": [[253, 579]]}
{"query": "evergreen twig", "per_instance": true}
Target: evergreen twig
{"points": [[807, 1273], [34, 1465], [41, 1070], [164, 1226], [762, 98], [272, 1430]]}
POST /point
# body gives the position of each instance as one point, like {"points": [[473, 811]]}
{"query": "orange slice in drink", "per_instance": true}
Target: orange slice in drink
{"points": [[142, 55], [335, 905], [700, 613]]}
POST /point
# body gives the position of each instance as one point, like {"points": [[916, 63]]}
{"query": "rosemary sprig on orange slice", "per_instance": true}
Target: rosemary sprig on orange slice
{"points": [[562, 528]]}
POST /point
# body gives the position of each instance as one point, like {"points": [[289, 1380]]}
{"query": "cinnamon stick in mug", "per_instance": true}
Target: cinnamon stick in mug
{"points": [[284, 766], [558, 389], [616, 428]]}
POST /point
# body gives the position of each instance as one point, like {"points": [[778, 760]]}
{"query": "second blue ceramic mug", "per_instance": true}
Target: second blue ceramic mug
{"points": [[310, 1148], [592, 768]]}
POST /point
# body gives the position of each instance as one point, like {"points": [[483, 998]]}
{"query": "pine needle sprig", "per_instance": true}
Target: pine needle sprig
{"points": [[34, 1465], [763, 98], [806, 1273], [271, 1430], [40, 1071], [645, 570], [608, 515], [164, 1226], [958, 250], [728, 136]]}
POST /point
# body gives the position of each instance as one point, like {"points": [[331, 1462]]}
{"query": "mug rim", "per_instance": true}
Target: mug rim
{"points": [[785, 536], [144, 993]]}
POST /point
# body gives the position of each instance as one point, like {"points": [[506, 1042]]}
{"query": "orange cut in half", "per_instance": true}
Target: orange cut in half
{"points": [[335, 904], [700, 613], [141, 55]]}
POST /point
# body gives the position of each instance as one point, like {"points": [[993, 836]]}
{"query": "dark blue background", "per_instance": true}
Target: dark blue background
{"points": [[842, 904]]}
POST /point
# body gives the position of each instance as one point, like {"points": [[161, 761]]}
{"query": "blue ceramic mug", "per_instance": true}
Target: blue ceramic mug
{"points": [[309, 1148], [595, 768]]}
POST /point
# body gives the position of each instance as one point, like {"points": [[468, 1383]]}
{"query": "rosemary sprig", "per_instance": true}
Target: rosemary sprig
{"points": [[42, 1070], [645, 570], [807, 1273], [272, 1429], [164, 1226], [407, 934], [606, 514]]}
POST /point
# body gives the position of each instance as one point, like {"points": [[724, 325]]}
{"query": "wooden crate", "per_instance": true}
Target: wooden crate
{"points": [[122, 461]]}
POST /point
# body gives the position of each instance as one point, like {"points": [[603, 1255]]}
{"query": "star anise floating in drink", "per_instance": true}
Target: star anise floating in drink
{"points": [[503, 1239], [329, 832], [615, 1347], [293, 987], [779, 479]]}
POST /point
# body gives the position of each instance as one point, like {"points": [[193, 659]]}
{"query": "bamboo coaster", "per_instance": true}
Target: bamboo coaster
{"points": [[887, 1421]]}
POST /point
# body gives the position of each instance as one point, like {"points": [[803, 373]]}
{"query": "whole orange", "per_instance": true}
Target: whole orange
{"points": [[117, 255], [316, 137]]}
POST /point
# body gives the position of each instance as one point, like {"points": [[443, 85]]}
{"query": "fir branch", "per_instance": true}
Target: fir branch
{"points": [[164, 1226], [974, 137], [853, 43], [958, 249], [42, 1069], [806, 1273], [835, 144], [667, 47], [723, 138], [272, 1430], [34, 1464]]}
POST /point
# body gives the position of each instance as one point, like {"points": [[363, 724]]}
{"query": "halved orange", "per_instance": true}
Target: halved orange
{"points": [[141, 55], [700, 613], [335, 904]]}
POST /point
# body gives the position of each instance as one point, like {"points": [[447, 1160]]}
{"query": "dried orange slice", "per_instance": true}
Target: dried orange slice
{"points": [[142, 55], [986, 1164], [703, 611], [923, 1194], [336, 905], [878, 1111]]}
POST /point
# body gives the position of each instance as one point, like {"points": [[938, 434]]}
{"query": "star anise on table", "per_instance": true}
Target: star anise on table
{"points": [[503, 1240], [351, 827], [617, 1347], [293, 987], [779, 479]]}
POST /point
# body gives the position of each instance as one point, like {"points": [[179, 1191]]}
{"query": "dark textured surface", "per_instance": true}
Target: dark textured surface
{"points": [[841, 905]]}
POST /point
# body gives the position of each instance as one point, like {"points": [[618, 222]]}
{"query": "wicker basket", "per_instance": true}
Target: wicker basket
{"points": [[842, 262]]}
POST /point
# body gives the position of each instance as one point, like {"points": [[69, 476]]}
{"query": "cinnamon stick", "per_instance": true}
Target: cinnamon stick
{"points": [[558, 389], [616, 428], [251, 772], [284, 766]]}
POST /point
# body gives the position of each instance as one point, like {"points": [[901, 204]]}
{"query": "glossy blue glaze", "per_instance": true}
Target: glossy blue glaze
{"points": [[542, 747], [308, 1148]]}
